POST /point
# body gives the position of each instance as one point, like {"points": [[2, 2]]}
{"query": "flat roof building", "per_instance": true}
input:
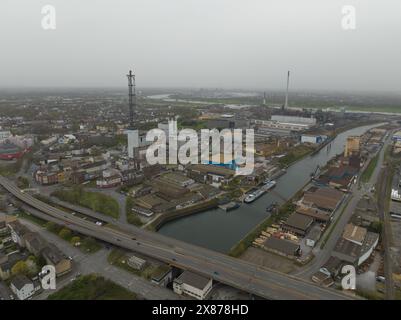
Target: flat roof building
{"points": [[193, 284], [353, 146], [282, 247]]}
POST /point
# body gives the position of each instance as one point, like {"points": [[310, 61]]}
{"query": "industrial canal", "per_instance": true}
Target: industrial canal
{"points": [[219, 230]]}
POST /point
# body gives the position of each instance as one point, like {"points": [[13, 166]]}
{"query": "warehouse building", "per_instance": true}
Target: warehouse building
{"points": [[282, 247], [356, 245], [314, 139], [326, 199], [298, 224]]}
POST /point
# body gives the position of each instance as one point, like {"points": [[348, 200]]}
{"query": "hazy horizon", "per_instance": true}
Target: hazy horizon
{"points": [[189, 44]]}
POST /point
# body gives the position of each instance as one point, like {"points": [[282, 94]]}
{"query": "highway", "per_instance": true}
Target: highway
{"points": [[231, 271]]}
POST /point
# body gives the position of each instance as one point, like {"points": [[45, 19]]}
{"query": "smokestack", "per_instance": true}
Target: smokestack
{"points": [[286, 94], [132, 133], [131, 97], [264, 98]]}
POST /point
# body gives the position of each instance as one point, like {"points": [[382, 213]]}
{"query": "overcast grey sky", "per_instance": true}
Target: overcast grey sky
{"points": [[202, 43]]}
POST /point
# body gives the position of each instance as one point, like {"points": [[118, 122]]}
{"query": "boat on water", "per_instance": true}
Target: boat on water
{"points": [[271, 207], [229, 206], [269, 184]]}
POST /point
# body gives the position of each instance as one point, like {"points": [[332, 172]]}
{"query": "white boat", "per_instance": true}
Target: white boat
{"points": [[269, 184]]}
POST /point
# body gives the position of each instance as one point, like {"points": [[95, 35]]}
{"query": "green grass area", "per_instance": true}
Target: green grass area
{"points": [[32, 218], [88, 244], [387, 152], [370, 295], [367, 173], [92, 287], [96, 201], [191, 124], [22, 182], [295, 154], [118, 258], [8, 169], [132, 217]]}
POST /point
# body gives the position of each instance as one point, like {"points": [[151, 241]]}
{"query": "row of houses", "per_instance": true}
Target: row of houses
{"points": [[36, 245], [29, 243]]}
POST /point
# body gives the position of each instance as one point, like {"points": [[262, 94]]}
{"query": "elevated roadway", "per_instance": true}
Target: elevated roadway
{"points": [[237, 273]]}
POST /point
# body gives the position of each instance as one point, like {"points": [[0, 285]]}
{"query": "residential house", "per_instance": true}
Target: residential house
{"points": [[17, 232], [23, 287], [55, 257]]}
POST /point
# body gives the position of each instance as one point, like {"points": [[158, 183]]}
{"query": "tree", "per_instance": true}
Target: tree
{"points": [[376, 226], [50, 225], [75, 240], [65, 233], [20, 268]]}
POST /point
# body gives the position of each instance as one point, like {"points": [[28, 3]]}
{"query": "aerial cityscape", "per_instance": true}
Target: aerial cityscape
{"points": [[279, 182]]}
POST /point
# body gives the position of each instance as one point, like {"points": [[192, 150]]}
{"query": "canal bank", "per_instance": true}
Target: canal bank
{"points": [[220, 231]]}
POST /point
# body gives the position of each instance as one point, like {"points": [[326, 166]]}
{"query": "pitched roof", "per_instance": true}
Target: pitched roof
{"points": [[323, 197], [53, 254], [20, 281], [299, 221], [354, 233]]}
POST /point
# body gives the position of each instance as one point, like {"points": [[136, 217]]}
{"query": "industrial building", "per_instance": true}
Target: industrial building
{"points": [[282, 247], [162, 276], [325, 199], [268, 127], [178, 179], [227, 123], [352, 146], [193, 285], [356, 245], [10, 151], [314, 139], [298, 224], [316, 214], [294, 120]]}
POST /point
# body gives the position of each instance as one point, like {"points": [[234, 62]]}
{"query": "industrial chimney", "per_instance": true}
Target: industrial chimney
{"points": [[132, 133], [286, 94]]}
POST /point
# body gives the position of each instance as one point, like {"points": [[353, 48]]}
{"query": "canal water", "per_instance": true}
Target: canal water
{"points": [[219, 230]]}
